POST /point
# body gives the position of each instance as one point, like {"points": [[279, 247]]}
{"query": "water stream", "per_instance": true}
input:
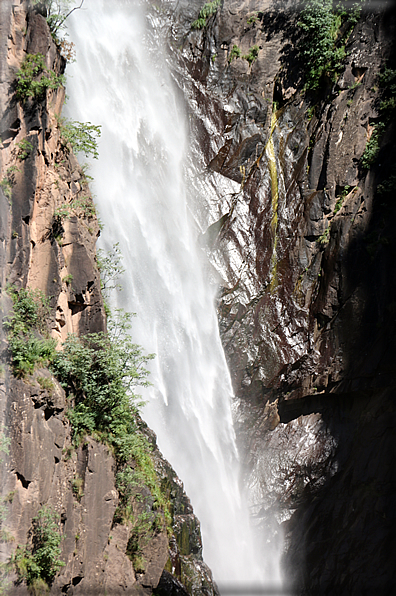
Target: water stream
{"points": [[121, 80]]}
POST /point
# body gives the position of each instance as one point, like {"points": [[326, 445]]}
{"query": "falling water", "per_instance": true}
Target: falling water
{"points": [[121, 80]]}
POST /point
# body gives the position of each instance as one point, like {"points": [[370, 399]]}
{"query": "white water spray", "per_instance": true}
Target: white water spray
{"points": [[121, 81]]}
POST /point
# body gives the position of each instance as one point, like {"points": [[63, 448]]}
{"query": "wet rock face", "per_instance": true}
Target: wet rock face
{"points": [[301, 243], [48, 230]]}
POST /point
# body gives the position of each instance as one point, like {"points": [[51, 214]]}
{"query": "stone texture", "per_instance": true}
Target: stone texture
{"points": [[48, 230], [306, 323]]}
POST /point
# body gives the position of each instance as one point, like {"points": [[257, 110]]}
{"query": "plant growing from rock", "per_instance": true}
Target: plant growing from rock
{"points": [[252, 55], [235, 53], [56, 12], [27, 332], [33, 78], [320, 48], [208, 10], [38, 562], [25, 147], [81, 137]]}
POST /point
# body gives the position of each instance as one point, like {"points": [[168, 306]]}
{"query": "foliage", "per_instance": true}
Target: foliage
{"points": [[56, 12], [110, 268], [26, 327], [252, 19], [4, 444], [235, 53], [33, 78], [208, 9], [82, 205], [67, 279], [6, 187], [25, 147], [38, 563], [252, 54], [77, 485], [341, 198], [325, 237], [45, 383], [371, 151], [320, 50], [100, 371], [388, 185], [81, 136], [387, 82]]}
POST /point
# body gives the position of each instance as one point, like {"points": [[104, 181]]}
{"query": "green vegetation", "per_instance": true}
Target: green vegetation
{"points": [[110, 269], [252, 54], [324, 238], [341, 198], [8, 181], [33, 78], [45, 383], [80, 136], [28, 337], [235, 53], [372, 148], [4, 445], [388, 186], [99, 372], [6, 186], [387, 84], [38, 563], [56, 12], [77, 487], [208, 9], [82, 205], [67, 279], [252, 19], [25, 147], [321, 49]]}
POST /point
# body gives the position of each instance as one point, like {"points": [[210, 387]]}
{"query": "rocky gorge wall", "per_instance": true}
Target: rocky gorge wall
{"points": [[301, 239], [42, 249]]}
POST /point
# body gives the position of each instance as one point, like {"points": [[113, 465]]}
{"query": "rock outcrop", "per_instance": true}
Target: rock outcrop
{"points": [[48, 231], [301, 238]]}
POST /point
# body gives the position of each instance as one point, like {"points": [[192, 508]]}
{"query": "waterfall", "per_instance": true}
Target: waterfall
{"points": [[121, 81]]}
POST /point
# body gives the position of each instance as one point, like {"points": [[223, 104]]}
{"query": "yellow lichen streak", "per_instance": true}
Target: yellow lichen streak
{"points": [[270, 152]]}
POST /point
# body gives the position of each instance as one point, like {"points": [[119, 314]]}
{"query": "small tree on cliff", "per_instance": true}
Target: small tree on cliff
{"points": [[56, 12]]}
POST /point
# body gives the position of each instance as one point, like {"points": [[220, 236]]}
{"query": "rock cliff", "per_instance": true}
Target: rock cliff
{"points": [[48, 231], [299, 230]]}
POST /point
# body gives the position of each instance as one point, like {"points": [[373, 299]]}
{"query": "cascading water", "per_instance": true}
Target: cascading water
{"points": [[121, 81]]}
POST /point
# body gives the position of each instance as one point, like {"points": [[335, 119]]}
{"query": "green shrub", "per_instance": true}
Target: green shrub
{"points": [[4, 445], [80, 136], [45, 383], [252, 55], [372, 148], [100, 371], [33, 78], [110, 268], [25, 147], [39, 562], [6, 187], [27, 331], [208, 9], [235, 53], [321, 53], [324, 239], [56, 13]]}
